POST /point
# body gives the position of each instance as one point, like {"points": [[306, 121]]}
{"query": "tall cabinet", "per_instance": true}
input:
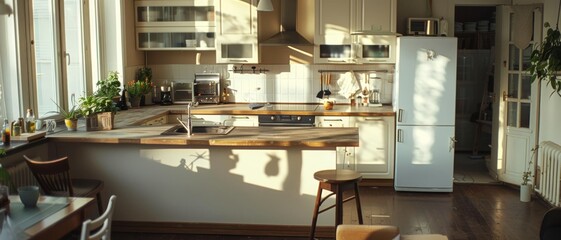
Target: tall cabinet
{"points": [[236, 37]]}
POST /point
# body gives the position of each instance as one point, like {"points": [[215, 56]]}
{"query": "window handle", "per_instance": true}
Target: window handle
{"points": [[68, 59]]}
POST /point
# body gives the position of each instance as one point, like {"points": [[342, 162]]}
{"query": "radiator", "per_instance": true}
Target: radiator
{"points": [[20, 176], [550, 172]]}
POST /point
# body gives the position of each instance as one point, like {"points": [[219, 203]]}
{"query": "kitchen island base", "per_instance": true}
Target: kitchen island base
{"points": [[243, 186]]}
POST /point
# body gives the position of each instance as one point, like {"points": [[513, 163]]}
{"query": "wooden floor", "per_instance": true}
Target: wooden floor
{"points": [[472, 211]]}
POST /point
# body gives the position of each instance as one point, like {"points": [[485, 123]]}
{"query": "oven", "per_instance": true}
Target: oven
{"points": [[281, 120], [206, 88]]}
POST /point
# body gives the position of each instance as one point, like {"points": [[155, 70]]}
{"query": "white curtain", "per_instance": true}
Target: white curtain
{"points": [[522, 21], [2, 95]]}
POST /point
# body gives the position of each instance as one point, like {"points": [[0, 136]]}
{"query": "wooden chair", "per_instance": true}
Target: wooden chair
{"points": [[551, 224], [54, 179], [100, 228]]}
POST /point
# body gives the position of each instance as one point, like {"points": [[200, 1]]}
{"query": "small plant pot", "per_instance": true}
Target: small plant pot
{"points": [[525, 192], [71, 124]]}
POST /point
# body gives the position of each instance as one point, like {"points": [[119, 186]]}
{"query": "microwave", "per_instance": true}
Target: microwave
{"points": [[423, 26], [375, 48]]}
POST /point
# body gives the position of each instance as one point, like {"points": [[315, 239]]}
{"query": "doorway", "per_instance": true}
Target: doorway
{"points": [[475, 29]]}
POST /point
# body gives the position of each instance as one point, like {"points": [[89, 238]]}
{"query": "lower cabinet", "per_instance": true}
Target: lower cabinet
{"points": [[345, 158], [374, 157]]}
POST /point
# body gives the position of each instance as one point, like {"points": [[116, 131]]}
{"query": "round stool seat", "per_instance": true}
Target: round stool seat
{"points": [[337, 176]]}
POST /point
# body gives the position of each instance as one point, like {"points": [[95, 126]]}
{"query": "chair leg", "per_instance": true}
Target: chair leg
{"points": [[338, 206], [315, 215], [358, 207], [99, 203]]}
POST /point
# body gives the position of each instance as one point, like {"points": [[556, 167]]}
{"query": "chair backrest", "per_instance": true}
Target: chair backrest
{"points": [[53, 176], [100, 228], [551, 224]]}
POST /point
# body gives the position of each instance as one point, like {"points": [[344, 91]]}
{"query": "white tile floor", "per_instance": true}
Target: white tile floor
{"points": [[469, 169]]}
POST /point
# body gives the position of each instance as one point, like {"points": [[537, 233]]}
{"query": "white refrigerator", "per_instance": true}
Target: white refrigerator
{"points": [[425, 102]]}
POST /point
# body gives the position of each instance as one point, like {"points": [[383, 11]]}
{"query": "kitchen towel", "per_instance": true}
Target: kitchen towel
{"points": [[348, 85]]}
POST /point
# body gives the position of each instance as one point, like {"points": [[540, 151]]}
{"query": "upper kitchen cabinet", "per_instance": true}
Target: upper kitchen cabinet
{"points": [[334, 19], [375, 16], [337, 21], [175, 25], [236, 36]]}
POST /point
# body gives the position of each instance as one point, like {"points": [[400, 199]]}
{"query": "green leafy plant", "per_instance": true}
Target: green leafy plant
{"points": [[73, 113], [110, 86], [545, 60], [92, 104]]}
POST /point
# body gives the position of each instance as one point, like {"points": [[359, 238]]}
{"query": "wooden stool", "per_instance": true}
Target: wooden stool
{"points": [[336, 181]]}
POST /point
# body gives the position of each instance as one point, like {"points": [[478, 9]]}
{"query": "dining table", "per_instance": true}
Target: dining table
{"points": [[52, 218]]}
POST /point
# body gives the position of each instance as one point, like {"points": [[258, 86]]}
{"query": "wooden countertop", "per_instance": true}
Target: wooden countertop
{"points": [[239, 136], [127, 130]]}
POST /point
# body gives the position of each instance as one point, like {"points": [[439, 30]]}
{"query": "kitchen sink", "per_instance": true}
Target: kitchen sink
{"points": [[199, 130]]}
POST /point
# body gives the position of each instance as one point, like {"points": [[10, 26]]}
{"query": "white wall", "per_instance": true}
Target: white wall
{"points": [[550, 105]]}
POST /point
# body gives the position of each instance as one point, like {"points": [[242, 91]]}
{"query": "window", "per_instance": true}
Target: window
{"points": [[59, 54]]}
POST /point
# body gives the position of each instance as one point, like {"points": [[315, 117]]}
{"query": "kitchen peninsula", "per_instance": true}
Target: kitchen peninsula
{"points": [[258, 178]]}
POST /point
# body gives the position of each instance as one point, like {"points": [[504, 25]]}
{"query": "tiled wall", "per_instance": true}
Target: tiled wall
{"points": [[294, 83]]}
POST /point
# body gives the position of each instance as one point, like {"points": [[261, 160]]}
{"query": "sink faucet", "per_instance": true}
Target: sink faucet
{"points": [[189, 125]]}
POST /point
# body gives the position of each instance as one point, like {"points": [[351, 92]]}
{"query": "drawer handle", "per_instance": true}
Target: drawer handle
{"points": [[399, 135], [400, 115]]}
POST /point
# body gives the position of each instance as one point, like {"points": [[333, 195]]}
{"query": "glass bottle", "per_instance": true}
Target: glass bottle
{"points": [[30, 121], [6, 133], [123, 100]]}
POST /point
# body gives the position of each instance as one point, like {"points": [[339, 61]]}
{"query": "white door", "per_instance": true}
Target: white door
{"points": [[424, 158], [515, 107]]}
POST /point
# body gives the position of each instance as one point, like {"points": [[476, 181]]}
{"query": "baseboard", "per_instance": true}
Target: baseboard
{"points": [[376, 183], [221, 229]]}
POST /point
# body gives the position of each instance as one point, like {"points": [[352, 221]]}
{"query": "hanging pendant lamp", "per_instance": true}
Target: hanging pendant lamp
{"points": [[5, 9], [265, 5]]}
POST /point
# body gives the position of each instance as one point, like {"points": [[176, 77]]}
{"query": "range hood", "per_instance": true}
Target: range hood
{"points": [[288, 34]]}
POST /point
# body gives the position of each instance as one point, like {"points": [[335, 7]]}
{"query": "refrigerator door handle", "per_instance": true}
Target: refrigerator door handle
{"points": [[400, 115], [453, 142], [399, 135]]}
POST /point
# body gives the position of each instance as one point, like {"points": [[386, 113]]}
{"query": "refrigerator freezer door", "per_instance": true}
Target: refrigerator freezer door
{"points": [[426, 81], [424, 159]]}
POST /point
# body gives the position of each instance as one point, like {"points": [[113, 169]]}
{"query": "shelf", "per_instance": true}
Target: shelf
{"points": [[475, 40]]}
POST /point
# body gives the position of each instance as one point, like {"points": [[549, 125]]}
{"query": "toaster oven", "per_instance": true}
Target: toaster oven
{"points": [[182, 92], [207, 88]]}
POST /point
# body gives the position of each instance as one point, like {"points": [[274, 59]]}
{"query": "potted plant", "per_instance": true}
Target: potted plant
{"points": [[99, 112], [526, 185], [545, 60], [145, 74], [71, 116], [110, 86], [137, 89]]}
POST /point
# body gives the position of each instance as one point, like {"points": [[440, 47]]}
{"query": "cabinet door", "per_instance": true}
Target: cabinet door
{"points": [[376, 15], [175, 13], [175, 38], [374, 156], [345, 158], [236, 40], [334, 20]]}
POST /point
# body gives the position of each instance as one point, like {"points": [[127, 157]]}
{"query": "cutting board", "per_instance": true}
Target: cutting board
{"points": [[28, 137]]}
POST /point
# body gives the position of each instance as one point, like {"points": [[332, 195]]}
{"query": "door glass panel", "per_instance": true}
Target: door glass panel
{"points": [[512, 112], [525, 115], [514, 55], [513, 85], [334, 51], [46, 50], [75, 67], [526, 90], [526, 54], [237, 50]]}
